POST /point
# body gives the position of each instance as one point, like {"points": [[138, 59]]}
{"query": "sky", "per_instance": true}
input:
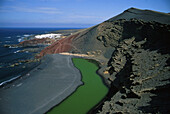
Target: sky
{"points": [[69, 13]]}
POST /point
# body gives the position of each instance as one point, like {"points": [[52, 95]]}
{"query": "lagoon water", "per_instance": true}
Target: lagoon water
{"points": [[87, 95]]}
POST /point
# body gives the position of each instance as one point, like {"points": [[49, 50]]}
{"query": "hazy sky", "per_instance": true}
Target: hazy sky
{"points": [[69, 13]]}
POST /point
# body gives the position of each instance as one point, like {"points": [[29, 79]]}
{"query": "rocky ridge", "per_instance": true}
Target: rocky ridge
{"points": [[141, 77]]}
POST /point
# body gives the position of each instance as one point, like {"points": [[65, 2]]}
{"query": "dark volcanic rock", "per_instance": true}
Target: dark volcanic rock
{"points": [[139, 66], [142, 77], [146, 15], [155, 33]]}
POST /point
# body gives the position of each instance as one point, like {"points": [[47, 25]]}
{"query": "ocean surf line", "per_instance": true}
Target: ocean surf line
{"points": [[86, 96]]}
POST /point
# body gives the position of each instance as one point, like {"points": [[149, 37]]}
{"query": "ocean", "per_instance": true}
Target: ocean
{"points": [[10, 56]]}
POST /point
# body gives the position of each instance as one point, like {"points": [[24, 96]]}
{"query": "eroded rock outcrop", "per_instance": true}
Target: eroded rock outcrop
{"points": [[139, 67], [114, 32], [142, 78]]}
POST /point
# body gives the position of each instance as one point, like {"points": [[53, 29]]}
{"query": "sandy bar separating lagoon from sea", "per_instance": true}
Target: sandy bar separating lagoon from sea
{"points": [[76, 55], [44, 87]]}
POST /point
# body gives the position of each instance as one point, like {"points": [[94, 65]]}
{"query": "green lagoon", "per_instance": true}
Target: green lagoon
{"points": [[87, 95]]}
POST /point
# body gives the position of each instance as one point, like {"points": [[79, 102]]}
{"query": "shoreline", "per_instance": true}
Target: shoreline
{"points": [[63, 32], [90, 59], [29, 84], [111, 89], [18, 77], [110, 93], [72, 92]]}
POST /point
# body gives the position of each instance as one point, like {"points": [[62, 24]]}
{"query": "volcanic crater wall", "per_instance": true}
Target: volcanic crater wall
{"points": [[139, 66]]}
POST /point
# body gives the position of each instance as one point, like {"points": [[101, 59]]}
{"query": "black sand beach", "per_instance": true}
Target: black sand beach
{"points": [[41, 89]]}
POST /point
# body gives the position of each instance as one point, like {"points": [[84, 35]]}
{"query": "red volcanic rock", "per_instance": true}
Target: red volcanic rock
{"points": [[63, 45], [34, 42]]}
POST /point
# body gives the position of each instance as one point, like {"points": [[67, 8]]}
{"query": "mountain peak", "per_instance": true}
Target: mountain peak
{"points": [[146, 15]]}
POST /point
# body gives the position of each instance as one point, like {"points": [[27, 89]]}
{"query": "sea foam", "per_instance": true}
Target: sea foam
{"points": [[7, 81]]}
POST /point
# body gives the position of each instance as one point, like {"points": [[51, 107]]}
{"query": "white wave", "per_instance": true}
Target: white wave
{"points": [[7, 41], [17, 51], [2, 83], [8, 37], [19, 40], [13, 47], [18, 36], [26, 35]]}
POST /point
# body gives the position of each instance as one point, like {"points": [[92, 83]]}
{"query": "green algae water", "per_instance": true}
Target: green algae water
{"points": [[87, 95]]}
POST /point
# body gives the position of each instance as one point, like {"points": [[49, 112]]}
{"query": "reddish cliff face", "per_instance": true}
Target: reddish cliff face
{"points": [[63, 45]]}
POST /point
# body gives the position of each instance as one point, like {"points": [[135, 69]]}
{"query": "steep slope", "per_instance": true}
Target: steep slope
{"points": [[145, 15], [134, 50], [139, 66]]}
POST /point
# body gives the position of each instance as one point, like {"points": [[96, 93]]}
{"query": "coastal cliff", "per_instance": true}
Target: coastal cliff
{"points": [[134, 50]]}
